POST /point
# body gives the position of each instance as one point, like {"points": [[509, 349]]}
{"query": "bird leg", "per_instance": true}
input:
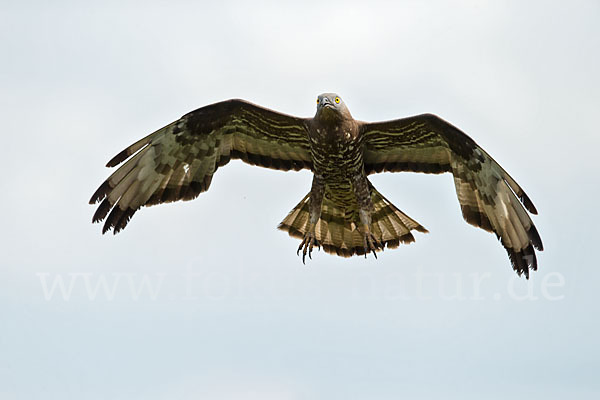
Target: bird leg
{"points": [[315, 202], [370, 242], [363, 198]]}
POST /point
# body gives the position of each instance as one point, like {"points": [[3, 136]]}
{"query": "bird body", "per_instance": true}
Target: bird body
{"points": [[343, 212], [337, 153]]}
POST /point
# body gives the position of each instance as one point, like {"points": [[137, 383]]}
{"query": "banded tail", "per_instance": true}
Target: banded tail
{"points": [[337, 229]]}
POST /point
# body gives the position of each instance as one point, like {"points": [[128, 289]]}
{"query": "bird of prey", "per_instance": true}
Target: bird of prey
{"points": [[343, 212]]}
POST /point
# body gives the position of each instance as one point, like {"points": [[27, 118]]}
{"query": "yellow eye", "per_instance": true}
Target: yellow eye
{"points": [[337, 100], [318, 101]]}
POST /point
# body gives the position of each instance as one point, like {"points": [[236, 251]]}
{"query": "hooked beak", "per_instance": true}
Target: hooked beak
{"points": [[325, 103]]}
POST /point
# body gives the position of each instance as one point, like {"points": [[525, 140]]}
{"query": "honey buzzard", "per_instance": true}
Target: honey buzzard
{"points": [[343, 212]]}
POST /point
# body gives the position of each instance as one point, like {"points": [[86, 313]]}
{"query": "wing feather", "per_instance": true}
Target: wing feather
{"points": [[178, 161], [489, 197]]}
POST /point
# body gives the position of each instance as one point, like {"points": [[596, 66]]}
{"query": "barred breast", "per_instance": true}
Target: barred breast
{"points": [[337, 156]]}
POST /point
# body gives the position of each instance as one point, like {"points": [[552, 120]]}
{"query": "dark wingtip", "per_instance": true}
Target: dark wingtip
{"points": [[119, 158], [535, 238], [100, 193], [105, 228], [528, 203], [523, 261], [112, 219], [102, 211], [123, 220]]}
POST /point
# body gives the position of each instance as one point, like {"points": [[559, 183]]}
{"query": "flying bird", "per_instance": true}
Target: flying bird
{"points": [[343, 212]]}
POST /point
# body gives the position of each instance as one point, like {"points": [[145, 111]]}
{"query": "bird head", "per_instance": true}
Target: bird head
{"points": [[331, 108]]}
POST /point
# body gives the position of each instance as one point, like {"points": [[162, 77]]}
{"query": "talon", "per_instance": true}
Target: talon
{"points": [[307, 245], [371, 244]]}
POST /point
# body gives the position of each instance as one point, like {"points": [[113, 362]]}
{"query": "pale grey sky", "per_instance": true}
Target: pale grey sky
{"points": [[206, 299]]}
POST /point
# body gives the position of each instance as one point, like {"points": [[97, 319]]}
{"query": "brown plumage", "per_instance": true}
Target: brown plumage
{"points": [[343, 212]]}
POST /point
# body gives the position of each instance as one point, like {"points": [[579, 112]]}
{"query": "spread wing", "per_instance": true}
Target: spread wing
{"points": [[178, 161], [488, 196]]}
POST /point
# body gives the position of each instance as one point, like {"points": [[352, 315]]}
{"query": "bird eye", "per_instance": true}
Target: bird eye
{"points": [[318, 101], [337, 100]]}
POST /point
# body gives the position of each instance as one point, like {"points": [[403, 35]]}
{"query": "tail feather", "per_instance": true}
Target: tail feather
{"points": [[337, 229]]}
